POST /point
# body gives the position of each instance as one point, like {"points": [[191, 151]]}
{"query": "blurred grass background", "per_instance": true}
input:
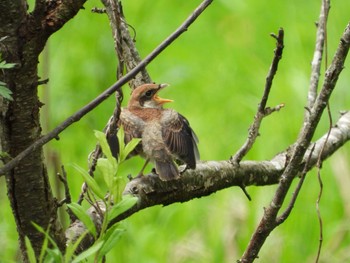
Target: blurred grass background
{"points": [[217, 71]]}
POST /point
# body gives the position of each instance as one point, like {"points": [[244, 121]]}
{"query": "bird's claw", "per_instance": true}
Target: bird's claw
{"points": [[183, 170]]}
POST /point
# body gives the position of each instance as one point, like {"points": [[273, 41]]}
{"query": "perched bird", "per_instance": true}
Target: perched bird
{"points": [[166, 135]]}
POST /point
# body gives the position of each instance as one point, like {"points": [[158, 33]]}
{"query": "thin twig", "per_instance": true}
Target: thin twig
{"points": [[320, 222], [98, 10], [291, 204], [273, 69], [63, 179], [67, 199], [104, 95], [319, 165], [83, 191], [317, 58], [262, 110], [323, 21], [124, 43]]}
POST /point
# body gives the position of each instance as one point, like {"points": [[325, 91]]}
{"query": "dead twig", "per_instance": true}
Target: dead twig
{"points": [[68, 198], [262, 111]]}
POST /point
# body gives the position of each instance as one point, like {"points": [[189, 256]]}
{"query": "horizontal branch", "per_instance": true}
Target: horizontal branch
{"points": [[212, 176]]}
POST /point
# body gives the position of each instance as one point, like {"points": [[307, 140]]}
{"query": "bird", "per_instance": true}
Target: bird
{"points": [[166, 135]]}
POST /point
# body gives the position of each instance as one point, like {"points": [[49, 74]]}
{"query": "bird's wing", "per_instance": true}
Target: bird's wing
{"points": [[179, 138]]}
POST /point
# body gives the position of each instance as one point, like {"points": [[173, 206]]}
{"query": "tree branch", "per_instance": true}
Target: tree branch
{"points": [[317, 58], [268, 221], [212, 176], [262, 111], [124, 44], [104, 95], [57, 13]]}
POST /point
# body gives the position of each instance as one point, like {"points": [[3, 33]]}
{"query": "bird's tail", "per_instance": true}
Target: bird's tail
{"points": [[167, 170]]}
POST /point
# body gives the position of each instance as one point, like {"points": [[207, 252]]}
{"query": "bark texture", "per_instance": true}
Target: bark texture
{"points": [[23, 37]]}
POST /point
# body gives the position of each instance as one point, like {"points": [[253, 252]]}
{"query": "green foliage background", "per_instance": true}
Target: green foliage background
{"points": [[217, 71]]}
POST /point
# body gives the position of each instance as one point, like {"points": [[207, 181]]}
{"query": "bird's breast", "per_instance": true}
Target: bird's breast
{"points": [[148, 126]]}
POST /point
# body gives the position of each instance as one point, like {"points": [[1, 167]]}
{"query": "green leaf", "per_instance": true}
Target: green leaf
{"points": [[53, 255], [83, 217], [4, 155], [45, 242], [101, 137], [43, 249], [108, 166], [128, 148], [118, 189], [91, 182], [126, 203], [108, 171], [110, 239], [87, 253], [5, 92], [4, 65], [30, 250], [121, 141]]}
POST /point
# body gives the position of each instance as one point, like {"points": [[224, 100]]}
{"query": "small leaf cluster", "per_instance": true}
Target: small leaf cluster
{"points": [[114, 204], [4, 91]]}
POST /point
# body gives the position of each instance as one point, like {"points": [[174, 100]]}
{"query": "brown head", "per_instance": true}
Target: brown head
{"points": [[146, 96]]}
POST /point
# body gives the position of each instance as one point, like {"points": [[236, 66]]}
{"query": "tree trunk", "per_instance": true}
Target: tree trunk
{"points": [[23, 36], [28, 187]]}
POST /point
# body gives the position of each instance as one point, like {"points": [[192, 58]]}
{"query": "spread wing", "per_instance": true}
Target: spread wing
{"points": [[179, 138], [132, 129]]}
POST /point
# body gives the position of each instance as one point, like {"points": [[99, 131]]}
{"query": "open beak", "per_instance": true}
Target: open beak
{"points": [[159, 99]]}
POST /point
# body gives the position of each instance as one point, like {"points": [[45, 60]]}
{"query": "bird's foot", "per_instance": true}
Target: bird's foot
{"points": [[182, 170], [137, 176]]}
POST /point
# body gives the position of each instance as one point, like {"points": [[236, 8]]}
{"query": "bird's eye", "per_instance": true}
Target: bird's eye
{"points": [[149, 93]]}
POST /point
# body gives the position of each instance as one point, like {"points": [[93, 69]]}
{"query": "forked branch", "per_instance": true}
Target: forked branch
{"points": [[262, 111], [269, 220]]}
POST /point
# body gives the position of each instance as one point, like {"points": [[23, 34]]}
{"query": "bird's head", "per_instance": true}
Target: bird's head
{"points": [[146, 96]]}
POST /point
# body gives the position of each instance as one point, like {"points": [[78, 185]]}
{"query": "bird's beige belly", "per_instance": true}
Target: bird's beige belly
{"points": [[152, 142]]}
